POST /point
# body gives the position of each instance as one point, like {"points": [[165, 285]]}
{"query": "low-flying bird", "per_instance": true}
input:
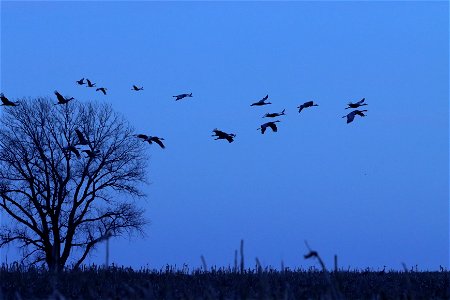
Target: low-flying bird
{"points": [[89, 83], [181, 96], [271, 124], [61, 99], [356, 104], [81, 139], [156, 140], [136, 88], [351, 116], [72, 149], [219, 134], [305, 105], [91, 153], [144, 137], [102, 89], [6, 101], [261, 102], [81, 81], [150, 139], [273, 115]]}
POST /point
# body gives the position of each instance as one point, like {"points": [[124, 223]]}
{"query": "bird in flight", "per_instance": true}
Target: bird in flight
{"points": [[351, 116], [6, 101], [261, 102], [136, 88], [271, 124], [305, 105], [102, 89], [356, 104], [181, 96], [219, 134], [81, 81], [151, 139], [89, 83], [91, 153], [273, 115], [81, 139], [72, 149], [61, 99]]}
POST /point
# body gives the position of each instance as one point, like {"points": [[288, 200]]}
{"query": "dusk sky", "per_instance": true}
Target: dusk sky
{"points": [[375, 191]]}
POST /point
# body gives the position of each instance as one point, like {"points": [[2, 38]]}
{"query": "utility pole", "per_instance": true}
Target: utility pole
{"points": [[107, 251], [106, 237]]}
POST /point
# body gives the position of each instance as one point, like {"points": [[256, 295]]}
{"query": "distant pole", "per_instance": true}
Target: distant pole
{"points": [[335, 264], [242, 256], [107, 252], [235, 261]]}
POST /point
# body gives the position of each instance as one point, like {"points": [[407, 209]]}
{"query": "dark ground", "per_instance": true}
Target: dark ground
{"points": [[123, 283]]}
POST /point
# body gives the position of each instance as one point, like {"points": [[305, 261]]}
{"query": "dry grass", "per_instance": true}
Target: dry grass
{"points": [[237, 282], [222, 283]]}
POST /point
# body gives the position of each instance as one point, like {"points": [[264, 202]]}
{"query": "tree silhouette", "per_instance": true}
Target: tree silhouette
{"points": [[62, 206]]}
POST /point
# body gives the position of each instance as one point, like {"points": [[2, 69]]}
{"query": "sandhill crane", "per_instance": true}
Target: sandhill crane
{"points": [[150, 139], [81, 139], [271, 124], [305, 105], [89, 83], [273, 115], [102, 89], [136, 88], [91, 153], [219, 134], [181, 96], [6, 101], [356, 104], [261, 102], [157, 140], [61, 99], [81, 81], [144, 137], [73, 149], [351, 116]]}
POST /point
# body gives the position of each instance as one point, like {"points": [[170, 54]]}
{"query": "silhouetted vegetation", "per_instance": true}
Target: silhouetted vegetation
{"points": [[218, 283], [60, 203]]}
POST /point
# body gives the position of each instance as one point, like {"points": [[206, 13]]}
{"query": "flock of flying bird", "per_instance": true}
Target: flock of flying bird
{"points": [[272, 124], [218, 134]]}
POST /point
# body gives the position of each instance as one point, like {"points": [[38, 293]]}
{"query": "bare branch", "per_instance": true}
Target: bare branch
{"points": [[59, 202]]}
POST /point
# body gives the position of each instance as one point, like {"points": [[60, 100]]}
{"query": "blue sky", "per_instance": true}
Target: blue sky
{"points": [[375, 192]]}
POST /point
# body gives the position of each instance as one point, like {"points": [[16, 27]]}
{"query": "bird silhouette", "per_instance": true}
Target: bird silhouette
{"points": [[144, 137], [157, 140], [89, 83], [81, 139], [356, 104], [351, 116], [219, 134], [81, 81], [151, 139], [261, 102], [91, 153], [181, 96], [273, 115], [271, 124], [305, 105], [136, 88], [72, 149], [102, 89], [6, 101], [61, 99]]}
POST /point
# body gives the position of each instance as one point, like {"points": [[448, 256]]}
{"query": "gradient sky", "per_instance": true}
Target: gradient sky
{"points": [[375, 192]]}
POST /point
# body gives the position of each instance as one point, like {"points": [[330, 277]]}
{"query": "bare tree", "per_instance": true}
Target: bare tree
{"points": [[61, 202]]}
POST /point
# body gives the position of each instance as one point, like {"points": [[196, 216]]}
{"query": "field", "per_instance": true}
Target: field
{"points": [[17, 282]]}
